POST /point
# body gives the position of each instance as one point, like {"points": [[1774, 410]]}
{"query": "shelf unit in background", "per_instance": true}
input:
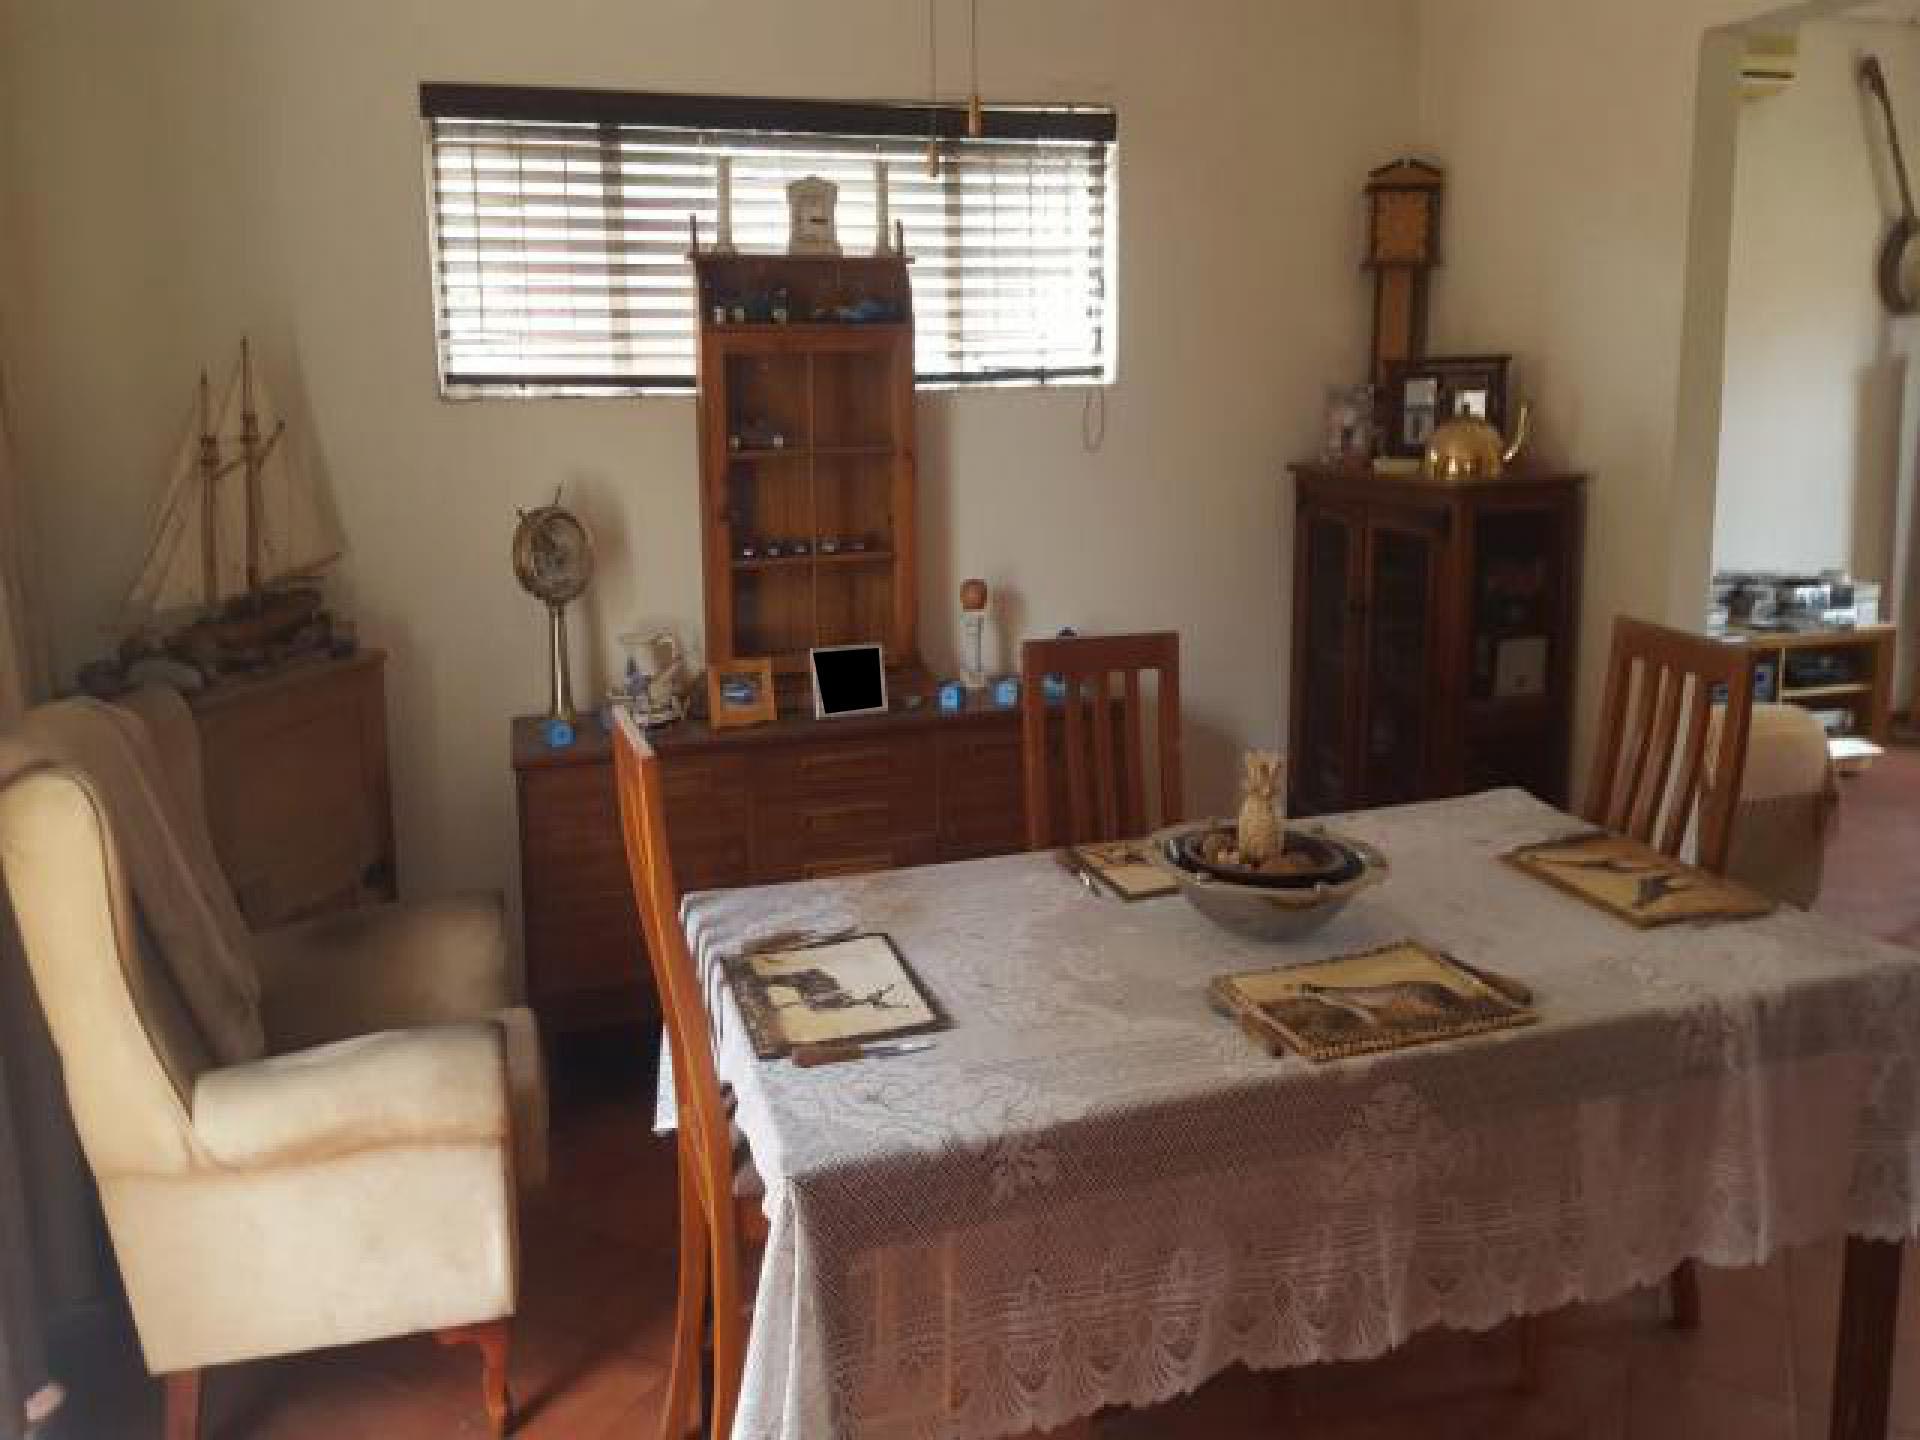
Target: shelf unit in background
{"points": [[1847, 670], [839, 396]]}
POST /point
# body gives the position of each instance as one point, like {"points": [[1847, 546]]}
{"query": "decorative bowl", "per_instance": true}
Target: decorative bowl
{"points": [[1255, 906], [1307, 858]]}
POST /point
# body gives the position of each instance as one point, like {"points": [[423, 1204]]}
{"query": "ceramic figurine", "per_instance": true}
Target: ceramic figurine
{"points": [[973, 625], [1257, 835]]}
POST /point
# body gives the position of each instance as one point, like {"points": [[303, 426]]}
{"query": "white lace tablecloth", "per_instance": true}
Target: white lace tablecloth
{"points": [[1095, 1191]]}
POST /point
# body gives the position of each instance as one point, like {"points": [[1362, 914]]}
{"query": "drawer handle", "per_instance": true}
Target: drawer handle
{"points": [[851, 865], [822, 817], [846, 760]]}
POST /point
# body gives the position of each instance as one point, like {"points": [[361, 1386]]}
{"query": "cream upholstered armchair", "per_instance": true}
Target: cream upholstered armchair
{"points": [[1788, 796], [303, 1138]]}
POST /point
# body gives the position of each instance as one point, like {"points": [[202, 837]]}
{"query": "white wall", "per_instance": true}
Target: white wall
{"points": [[1811, 410], [1576, 240], [195, 170]]}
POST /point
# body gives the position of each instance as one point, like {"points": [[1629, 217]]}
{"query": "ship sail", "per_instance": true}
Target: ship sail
{"points": [[205, 547], [297, 534]]}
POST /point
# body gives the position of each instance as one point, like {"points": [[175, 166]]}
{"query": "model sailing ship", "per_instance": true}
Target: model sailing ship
{"points": [[230, 578]]}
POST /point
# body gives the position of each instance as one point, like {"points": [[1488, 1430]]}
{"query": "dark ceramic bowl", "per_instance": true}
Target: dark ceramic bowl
{"points": [[1264, 912], [1317, 860]]}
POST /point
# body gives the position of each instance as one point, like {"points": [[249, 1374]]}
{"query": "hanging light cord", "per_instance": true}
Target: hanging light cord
{"points": [[933, 88], [974, 126]]}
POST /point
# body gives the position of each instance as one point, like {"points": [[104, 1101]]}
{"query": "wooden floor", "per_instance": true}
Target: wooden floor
{"points": [[593, 1333]]}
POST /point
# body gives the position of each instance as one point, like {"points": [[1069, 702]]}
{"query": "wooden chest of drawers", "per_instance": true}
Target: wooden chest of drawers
{"points": [[297, 788], [795, 800]]}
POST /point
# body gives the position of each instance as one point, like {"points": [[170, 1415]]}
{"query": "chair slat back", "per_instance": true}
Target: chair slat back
{"points": [[1653, 775], [1104, 746], [706, 1132]]}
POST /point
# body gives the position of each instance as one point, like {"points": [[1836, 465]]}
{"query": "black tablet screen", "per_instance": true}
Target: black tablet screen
{"points": [[850, 680]]}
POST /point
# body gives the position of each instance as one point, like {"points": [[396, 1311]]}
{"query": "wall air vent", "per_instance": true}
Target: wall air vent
{"points": [[1768, 65]]}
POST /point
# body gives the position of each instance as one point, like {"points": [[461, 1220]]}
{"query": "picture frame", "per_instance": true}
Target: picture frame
{"points": [[1350, 425], [850, 990], [848, 680], [740, 693], [1427, 392]]}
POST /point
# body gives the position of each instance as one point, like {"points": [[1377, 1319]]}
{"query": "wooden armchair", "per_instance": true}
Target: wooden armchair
{"points": [[1104, 750], [719, 1202], [1654, 777], [1672, 751]]}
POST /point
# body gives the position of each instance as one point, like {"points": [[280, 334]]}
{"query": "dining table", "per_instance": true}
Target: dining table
{"points": [[1093, 1189]]}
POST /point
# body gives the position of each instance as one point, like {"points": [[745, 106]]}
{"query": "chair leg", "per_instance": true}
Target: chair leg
{"points": [[183, 1404], [682, 1410], [729, 1345], [1683, 1297], [493, 1339], [1527, 1378]]}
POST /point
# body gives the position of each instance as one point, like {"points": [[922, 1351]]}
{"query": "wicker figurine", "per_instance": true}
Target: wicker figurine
{"points": [[1258, 832]]}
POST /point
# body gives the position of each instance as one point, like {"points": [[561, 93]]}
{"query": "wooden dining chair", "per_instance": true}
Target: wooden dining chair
{"points": [[1103, 751], [716, 1219], [1671, 753], [1672, 745]]}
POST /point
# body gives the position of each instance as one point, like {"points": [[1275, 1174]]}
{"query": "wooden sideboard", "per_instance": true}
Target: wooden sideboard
{"points": [[298, 793], [797, 799]]}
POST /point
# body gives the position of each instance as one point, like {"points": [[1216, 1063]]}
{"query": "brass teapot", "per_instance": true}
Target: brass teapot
{"points": [[1468, 448]]}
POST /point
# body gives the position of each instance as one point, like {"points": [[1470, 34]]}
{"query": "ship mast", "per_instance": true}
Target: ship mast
{"points": [[253, 455], [209, 499]]}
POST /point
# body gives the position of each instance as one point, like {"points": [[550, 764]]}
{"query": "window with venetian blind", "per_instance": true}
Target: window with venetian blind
{"points": [[560, 229]]}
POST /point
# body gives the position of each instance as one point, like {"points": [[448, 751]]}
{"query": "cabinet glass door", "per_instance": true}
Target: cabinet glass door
{"points": [[1323, 757], [1399, 601]]}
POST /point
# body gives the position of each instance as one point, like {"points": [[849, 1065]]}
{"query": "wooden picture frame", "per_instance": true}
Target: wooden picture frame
{"points": [[847, 991], [1423, 393], [1635, 882], [740, 692]]}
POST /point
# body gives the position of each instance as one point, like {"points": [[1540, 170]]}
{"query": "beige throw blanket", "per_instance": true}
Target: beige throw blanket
{"points": [[182, 898]]}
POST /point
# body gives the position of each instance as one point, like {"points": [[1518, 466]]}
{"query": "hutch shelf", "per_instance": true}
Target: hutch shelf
{"points": [[1845, 676], [806, 458], [1433, 635]]}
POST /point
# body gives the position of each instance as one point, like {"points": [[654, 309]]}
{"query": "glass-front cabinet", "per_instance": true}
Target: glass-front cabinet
{"points": [[1433, 636]]}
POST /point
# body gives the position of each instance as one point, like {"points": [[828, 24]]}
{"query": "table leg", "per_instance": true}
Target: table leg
{"points": [[1863, 1361]]}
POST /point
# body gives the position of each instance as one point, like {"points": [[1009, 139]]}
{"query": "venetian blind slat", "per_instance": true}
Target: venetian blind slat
{"points": [[559, 247]]}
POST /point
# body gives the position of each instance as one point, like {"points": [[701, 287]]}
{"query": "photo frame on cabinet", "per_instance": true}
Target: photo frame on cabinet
{"points": [[740, 692], [1429, 392]]}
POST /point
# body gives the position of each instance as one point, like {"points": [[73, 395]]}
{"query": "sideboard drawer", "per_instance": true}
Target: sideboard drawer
{"points": [[789, 835], [902, 851], [982, 809], [709, 821], [830, 768]]}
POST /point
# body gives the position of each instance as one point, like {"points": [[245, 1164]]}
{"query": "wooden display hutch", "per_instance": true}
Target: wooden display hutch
{"points": [[1433, 634], [806, 458]]}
